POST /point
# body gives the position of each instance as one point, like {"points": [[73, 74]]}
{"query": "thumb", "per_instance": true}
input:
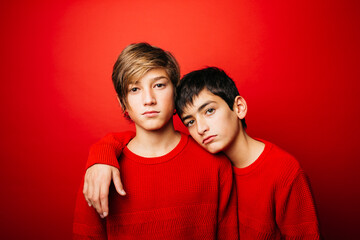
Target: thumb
{"points": [[117, 182]]}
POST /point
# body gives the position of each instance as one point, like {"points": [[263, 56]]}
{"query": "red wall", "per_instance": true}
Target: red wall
{"points": [[297, 64]]}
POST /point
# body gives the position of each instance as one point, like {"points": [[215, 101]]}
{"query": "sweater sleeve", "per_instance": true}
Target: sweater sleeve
{"points": [[295, 210], [108, 149], [227, 211], [87, 224]]}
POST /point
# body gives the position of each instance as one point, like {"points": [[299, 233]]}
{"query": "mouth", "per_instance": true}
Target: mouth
{"points": [[150, 113], [208, 139]]}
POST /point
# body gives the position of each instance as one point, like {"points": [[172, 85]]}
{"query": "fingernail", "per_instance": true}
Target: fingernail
{"points": [[105, 214], [89, 204], [123, 192], [102, 216]]}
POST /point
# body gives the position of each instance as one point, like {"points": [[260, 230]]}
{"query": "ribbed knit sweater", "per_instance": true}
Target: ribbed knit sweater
{"points": [[274, 197], [185, 194]]}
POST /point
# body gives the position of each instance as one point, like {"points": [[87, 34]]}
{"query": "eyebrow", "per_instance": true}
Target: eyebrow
{"points": [[153, 79], [198, 110], [159, 77]]}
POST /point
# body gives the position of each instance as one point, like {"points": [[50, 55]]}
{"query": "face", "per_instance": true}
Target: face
{"points": [[150, 100], [211, 122]]}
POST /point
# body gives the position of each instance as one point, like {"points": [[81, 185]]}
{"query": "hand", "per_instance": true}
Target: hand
{"points": [[96, 186]]}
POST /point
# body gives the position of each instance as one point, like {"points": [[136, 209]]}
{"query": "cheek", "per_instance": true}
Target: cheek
{"points": [[168, 97], [131, 101], [229, 119], [231, 128], [194, 134], [224, 124], [168, 101]]}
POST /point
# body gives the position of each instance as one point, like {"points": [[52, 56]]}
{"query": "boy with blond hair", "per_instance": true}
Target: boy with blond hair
{"points": [[167, 198]]}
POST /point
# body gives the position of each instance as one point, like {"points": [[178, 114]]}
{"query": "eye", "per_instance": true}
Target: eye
{"points": [[159, 85], [134, 89], [209, 111], [189, 123]]}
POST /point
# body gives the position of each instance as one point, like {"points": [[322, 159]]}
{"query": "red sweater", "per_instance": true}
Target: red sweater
{"points": [[274, 198], [185, 194]]}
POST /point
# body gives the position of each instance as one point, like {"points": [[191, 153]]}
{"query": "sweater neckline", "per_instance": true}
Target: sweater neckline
{"points": [[258, 161], [156, 160]]}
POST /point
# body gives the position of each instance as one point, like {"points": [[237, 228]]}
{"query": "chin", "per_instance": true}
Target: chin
{"points": [[154, 126], [213, 149]]}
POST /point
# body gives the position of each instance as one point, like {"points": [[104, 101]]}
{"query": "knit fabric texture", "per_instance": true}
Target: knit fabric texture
{"points": [[274, 195], [274, 198], [185, 194]]}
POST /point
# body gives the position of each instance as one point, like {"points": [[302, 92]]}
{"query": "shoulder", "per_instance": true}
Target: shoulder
{"points": [[280, 158], [284, 165]]}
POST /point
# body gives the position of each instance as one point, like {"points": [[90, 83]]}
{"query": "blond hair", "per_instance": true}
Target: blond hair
{"points": [[138, 59]]}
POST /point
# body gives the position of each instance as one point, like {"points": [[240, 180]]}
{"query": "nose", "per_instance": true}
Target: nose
{"points": [[149, 97], [202, 126]]}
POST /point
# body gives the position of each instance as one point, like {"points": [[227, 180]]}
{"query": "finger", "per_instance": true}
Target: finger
{"points": [[104, 193], [89, 193], [87, 188], [117, 182], [95, 199], [85, 191]]}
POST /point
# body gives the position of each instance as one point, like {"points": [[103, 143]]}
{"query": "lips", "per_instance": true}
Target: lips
{"points": [[150, 113], [208, 139]]}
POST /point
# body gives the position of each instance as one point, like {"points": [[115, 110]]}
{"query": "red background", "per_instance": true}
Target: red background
{"points": [[297, 65]]}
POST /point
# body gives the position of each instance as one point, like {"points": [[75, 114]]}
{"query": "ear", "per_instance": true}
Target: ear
{"points": [[240, 107]]}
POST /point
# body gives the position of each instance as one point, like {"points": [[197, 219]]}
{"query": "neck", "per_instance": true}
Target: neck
{"points": [[244, 150], [154, 143]]}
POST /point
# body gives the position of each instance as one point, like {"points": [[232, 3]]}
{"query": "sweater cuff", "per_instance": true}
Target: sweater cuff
{"points": [[102, 154], [108, 149]]}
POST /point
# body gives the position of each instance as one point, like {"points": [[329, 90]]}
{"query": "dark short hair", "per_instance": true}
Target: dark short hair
{"points": [[213, 79]]}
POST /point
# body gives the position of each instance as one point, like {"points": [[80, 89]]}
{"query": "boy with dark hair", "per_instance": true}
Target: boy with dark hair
{"points": [[274, 197], [167, 198]]}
